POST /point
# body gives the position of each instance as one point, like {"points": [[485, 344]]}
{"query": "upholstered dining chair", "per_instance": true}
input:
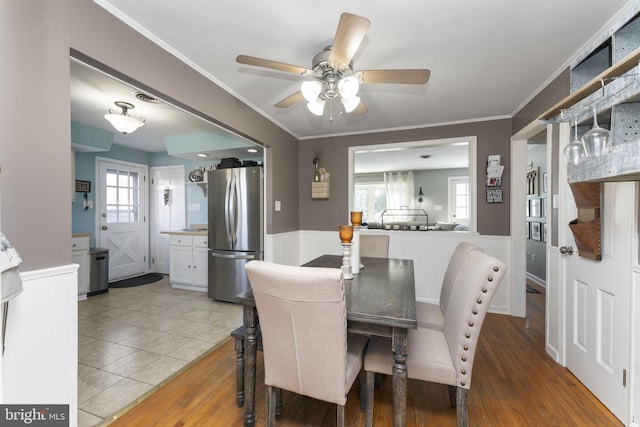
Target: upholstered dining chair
{"points": [[445, 357], [374, 245], [429, 315], [306, 347]]}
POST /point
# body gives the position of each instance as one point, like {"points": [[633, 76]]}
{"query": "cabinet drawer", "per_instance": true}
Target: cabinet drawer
{"points": [[80, 244], [180, 240], [200, 241]]}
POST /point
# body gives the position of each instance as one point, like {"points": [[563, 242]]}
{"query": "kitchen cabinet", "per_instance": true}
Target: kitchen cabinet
{"points": [[188, 256], [80, 256]]}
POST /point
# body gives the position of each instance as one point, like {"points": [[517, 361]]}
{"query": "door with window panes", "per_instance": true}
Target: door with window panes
{"points": [[122, 217], [459, 200]]}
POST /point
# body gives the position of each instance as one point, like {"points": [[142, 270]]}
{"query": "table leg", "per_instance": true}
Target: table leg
{"points": [[399, 343], [250, 320]]}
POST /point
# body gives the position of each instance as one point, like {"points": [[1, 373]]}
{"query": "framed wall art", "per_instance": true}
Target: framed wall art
{"points": [[535, 208], [536, 231]]}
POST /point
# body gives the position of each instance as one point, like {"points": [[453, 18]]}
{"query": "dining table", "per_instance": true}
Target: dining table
{"points": [[380, 301]]}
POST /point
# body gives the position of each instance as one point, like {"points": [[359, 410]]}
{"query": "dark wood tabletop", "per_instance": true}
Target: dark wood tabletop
{"points": [[383, 293]]}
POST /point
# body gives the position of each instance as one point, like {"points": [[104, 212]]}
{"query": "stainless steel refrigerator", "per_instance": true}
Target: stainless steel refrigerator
{"points": [[235, 200]]}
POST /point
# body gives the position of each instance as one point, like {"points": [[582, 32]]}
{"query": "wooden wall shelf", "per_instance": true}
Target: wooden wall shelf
{"points": [[595, 84]]}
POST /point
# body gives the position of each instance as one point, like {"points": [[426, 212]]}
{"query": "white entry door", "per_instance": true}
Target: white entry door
{"points": [[597, 293], [122, 217], [167, 212]]}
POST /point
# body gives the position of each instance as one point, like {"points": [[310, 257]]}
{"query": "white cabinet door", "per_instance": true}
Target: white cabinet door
{"points": [[181, 265], [200, 272]]}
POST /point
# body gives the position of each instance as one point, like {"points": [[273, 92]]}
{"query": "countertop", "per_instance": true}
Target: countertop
{"points": [[187, 232], [81, 235]]}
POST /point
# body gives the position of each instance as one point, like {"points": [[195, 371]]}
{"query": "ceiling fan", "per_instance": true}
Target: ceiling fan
{"points": [[332, 75]]}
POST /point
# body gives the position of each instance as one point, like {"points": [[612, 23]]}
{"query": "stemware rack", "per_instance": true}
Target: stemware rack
{"points": [[614, 92]]}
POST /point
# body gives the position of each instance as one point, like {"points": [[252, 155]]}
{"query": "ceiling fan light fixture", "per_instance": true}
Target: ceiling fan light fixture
{"points": [[348, 87], [316, 107], [311, 90], [350, 104], [123, 122]]}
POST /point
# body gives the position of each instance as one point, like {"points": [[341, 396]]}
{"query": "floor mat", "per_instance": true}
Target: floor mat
{"points": [[137, 281]]}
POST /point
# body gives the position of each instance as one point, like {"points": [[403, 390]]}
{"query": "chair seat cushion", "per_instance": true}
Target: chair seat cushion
{"points": [[428, 358], [429, 316]]}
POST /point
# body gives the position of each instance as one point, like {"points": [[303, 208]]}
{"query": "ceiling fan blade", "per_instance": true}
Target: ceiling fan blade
{"points": [[274, 65], [350, 33], [290, 100], [361, 109], [415, 77]]}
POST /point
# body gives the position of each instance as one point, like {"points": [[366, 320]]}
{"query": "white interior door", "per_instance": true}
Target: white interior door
{"points": [[122, 217], [459, 200], [598, 296], [167, 212]]}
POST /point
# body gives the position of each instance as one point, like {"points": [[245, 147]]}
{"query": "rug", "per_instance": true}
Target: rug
{"points": [[137, 281]]}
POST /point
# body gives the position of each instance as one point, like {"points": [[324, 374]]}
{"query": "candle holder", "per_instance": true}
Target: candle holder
{"points": [[355, 251], [346, 234], [356, 218], [346, 261]]}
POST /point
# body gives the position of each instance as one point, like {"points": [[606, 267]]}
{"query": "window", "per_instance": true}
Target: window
{"points": [[123, 198], [371, 199]]}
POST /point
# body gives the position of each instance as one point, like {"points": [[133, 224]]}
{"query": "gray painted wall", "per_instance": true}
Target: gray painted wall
{"points": [[35, 153]]}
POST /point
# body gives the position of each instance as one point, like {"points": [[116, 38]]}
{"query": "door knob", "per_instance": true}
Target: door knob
{"points": [[566, 250], [104, 227]]}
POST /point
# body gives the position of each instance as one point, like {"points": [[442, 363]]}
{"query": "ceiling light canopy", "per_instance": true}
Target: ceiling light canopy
{"points": [[123, 122]]}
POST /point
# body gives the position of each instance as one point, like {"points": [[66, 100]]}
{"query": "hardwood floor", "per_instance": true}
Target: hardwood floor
{"points": [[515, 383]]}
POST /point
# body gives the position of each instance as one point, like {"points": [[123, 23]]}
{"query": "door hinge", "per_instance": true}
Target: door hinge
{"points": [[151, 181], [145, 258], [153, 260], [624, 378]]}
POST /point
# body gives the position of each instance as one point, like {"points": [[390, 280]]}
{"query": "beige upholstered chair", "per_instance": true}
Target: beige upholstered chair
{"points": [[374, 245], [303, 320], [431, 315], [445, 357]]}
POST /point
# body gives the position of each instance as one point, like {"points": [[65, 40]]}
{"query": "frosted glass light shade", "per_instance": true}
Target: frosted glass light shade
{"points": [[122, 123], [348, 87], [316, 107], [350, 104], [311, 89]]}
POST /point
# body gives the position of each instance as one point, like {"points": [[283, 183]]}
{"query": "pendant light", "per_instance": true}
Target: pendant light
{"points": [[123, 122]]}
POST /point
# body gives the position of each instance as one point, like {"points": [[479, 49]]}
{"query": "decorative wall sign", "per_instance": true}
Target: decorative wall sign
{"points": [[494, 195], [83, 186], [533, 182]]}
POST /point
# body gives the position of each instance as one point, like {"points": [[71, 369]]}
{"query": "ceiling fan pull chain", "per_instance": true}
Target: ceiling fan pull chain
{"points": [[330, 109]]}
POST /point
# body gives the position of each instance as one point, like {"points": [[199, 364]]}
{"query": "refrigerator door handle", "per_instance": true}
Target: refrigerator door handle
{"points": [[236, 192], [227, 209], [231, 256]]}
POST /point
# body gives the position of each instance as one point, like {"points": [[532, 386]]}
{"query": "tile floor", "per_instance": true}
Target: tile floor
{"points": [[132, 339]]}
